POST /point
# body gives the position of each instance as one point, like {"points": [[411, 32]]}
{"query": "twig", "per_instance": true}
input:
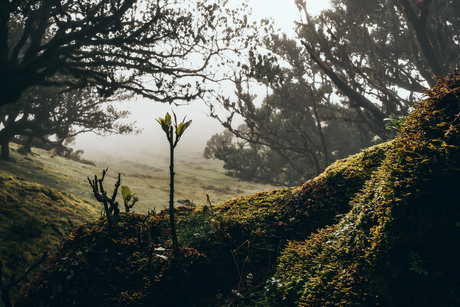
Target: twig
{"points": [[210, 205], [101, 196], [240, 272], [5, 296]]}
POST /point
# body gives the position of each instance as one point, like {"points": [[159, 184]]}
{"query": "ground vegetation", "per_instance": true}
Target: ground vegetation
{"points": [[376, 228]]}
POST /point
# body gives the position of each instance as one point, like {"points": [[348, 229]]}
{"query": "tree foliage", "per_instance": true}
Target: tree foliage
{"points": [[331, 88], [114, 44], [382, 54], [43, 113], [297, 130]]}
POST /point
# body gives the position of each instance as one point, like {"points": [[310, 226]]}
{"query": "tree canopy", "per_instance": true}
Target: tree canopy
{"points": [[381, 55], [331, 87], [115, 44]]}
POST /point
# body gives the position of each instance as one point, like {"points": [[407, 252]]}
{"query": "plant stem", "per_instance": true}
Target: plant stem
{"points": [[171, 193]]}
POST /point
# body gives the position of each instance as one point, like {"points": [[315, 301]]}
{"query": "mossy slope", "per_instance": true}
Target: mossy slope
{"points": [[396, 243], [399, 245], [224, 242], [34, 218]]}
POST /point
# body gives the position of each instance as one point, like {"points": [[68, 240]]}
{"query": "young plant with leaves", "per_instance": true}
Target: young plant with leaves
{"points": [[171, 130], [127, 197]]}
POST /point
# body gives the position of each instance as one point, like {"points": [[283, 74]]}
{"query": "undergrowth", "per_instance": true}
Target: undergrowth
{"points": [[222, 245]]}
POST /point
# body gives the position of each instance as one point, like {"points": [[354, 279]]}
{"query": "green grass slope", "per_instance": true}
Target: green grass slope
{"points": [[33, 218], [44, 167]]}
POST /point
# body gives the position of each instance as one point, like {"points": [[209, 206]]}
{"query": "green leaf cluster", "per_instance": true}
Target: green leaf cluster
{"points": [[127, 196], [416, 263], [166, 124], [395, 123]]}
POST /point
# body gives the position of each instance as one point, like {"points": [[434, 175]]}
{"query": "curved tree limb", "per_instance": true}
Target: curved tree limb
{"points": [[353, 95], [419, 24]]}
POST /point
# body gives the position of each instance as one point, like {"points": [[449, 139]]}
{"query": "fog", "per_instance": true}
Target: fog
{"points": [[152, 141], [143, 159]]}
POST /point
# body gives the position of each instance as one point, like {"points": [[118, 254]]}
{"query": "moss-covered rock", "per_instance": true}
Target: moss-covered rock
{"points": [[399, 245]]}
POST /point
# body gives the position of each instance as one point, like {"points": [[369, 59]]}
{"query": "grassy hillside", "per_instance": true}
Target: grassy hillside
{"points": [[147, 175], [36, 217], [33, 218]]}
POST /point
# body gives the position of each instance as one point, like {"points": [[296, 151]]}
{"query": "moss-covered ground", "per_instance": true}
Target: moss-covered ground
{"points": [[34, 218], [222, 244], [380, 228], [400, 243]]}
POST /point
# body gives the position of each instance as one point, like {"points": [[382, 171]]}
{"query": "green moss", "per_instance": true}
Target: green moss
{"points": [[413, 196], [34, 218], [399, 245]]}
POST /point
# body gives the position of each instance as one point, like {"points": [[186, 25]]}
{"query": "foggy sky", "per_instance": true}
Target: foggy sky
{"points": [[152, 139]]}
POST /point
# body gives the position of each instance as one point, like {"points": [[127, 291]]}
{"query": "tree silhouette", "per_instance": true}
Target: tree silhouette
{"points": [[331, 88], [381, 55], [114, 44], [43, 112]]}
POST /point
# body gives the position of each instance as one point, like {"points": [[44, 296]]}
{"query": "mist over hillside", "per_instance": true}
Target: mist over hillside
{"points": [[152, 140]]}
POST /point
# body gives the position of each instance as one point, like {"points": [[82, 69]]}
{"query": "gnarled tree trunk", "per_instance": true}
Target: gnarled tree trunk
{"points": [[28, 144], [5, 150]]}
